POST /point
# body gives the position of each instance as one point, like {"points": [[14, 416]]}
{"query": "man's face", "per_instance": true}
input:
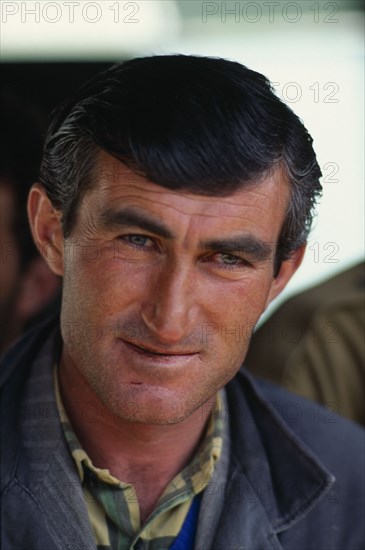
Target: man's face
{"points": [[162, 289]]}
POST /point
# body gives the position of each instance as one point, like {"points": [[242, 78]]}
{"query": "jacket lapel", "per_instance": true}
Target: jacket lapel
{"points": [[46, 467], [244, 524], [274, 480]]}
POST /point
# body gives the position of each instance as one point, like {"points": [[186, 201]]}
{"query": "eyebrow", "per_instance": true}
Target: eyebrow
{"points": [[128, 217], [244, 244]]}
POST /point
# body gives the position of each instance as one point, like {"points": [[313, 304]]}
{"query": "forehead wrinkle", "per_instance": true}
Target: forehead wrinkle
{"points": [[129, 216], [132, 187], [230, 199], [137, 200], [253, 189], [112, 168]]}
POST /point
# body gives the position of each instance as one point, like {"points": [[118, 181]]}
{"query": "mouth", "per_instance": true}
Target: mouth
{"points": [[159, 353]]}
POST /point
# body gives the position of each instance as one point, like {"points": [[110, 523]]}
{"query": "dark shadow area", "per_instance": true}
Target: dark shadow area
{"points": [[47, 84]]}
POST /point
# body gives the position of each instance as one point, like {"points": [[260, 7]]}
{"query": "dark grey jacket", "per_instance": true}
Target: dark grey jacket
{"points": [[275, 489]]}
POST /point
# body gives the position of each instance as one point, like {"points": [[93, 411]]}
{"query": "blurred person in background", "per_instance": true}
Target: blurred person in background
{"points": [[27, 285], [314, 344]]}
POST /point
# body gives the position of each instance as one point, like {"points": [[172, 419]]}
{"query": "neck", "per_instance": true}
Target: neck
{"points": [[148, 456]]}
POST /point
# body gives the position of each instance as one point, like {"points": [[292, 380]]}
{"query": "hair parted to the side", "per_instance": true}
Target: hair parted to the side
{"points": [[205, 125]]}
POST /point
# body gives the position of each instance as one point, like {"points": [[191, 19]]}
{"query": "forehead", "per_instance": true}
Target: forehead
{"points": [[117, 187]]}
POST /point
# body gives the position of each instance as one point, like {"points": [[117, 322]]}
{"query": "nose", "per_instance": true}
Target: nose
{"points": [[169, 310]]}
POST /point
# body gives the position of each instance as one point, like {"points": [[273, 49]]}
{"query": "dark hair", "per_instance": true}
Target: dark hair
{"points": [[206, 125]]}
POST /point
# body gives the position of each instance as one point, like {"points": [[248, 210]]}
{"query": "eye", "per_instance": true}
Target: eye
{"points": [[136, 248], [230, 259], [227, 261], [139, 241]]}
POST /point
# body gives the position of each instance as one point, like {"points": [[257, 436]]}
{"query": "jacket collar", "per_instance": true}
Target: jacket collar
{"points": [[274, 479], [38, 458]]}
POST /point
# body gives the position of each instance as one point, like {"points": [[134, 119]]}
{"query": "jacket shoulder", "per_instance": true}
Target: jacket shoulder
{"points": [[24, 350], [338, 442]]}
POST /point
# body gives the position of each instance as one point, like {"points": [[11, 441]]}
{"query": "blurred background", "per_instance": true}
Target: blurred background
{"points": [[313, 52]]}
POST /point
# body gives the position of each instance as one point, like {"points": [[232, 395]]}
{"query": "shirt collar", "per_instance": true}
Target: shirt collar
{"points": [[198, 472]]}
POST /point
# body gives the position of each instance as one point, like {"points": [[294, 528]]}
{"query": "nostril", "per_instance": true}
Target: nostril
{"points": [[167, 326]]}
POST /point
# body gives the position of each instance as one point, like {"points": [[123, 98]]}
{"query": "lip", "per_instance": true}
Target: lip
{"points": [[153, 352]]}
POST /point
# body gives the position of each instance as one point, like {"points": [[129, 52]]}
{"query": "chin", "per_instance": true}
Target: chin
{"points": [[155, 407], [148, 415], [155, 419]]}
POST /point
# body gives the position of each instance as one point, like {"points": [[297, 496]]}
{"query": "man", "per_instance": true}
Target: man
{"points": [[175, 199]]}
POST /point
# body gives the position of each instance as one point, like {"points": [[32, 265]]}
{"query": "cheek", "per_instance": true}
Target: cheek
{"points": [[236, 312], [98, 290], [243, 302]]}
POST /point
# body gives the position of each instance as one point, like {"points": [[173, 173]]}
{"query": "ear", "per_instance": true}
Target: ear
{"points": [[45, 222], [287, 269]]}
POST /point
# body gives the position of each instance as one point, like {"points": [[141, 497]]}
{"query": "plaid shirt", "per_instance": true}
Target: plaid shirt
{"points": [[112, 504]]}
